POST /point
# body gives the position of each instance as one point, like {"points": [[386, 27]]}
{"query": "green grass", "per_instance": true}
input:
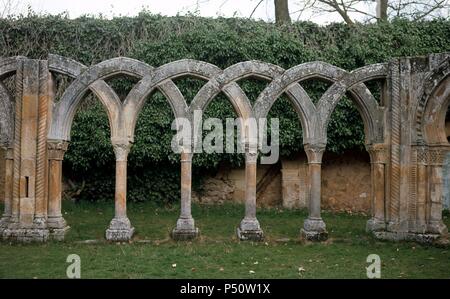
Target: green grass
{"points": [[217, 253]]}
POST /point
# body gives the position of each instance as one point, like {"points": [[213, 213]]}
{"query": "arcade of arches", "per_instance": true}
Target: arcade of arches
{"points": [[406, 138]]}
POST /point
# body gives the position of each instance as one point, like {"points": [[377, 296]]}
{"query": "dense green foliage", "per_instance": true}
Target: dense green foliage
{"points": [[223, 42]]}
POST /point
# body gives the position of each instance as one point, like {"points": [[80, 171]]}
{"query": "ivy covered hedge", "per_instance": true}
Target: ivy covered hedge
{"points": [[153, 168]]}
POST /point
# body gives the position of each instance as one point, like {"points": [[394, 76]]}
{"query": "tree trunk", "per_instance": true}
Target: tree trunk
{"points": [[282, 12], [382, 6]]}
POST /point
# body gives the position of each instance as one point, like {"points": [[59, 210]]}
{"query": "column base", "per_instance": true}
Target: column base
{"points": [[437, 227], [38, 232], [314, 229], [120, 230], [374, 224], [58, 227], [249, 229], [426, 238], [185, 230], [4, 222]]}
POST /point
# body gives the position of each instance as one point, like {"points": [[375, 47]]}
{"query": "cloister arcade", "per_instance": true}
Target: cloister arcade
{"points": [[405, 137]]}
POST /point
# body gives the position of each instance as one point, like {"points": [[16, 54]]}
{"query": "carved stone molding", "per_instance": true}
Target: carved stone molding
{"points": [[57, 149], [422, 155], [315, 153], [436, 157], [122, 150], [378, 153]]}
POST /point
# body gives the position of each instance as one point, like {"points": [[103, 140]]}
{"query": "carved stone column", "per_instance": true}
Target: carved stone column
{"points": [[9, 169], [422, 187], [436, 160], [185, 229], [120, 228], [378, 159], [314, 228], [56, 223], [249, 228]]}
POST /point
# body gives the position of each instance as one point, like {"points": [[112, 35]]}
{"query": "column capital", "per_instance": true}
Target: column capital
{"points": [[121, 151], [57, 149], [377, 152], [315, 153], [186, 157], [251, 157]]}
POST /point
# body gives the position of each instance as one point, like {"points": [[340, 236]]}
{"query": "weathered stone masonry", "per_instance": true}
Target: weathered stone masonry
{"points": [[405, 137]]}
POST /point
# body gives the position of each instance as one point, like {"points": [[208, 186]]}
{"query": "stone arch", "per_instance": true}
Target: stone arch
{"points": [[366, 104], [93, 78], [261, 70], [6, 117], [187, 67], [318, 117], [8, 67], [432, 106]]}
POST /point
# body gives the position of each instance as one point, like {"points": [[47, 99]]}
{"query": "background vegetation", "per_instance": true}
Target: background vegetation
{"points": [[153, 168]]}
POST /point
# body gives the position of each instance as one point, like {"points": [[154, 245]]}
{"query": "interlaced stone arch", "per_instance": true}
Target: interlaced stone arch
{"points": [[8, 67], [261, 70], [429, 112]]}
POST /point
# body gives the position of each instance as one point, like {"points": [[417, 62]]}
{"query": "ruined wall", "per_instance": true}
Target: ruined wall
{"points": [[228, 185], [346, 184]]}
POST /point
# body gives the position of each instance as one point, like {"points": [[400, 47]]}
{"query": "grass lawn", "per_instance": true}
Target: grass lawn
{"points": [[218, 253]]}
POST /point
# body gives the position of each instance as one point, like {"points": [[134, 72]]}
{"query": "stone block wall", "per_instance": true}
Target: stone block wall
{"points": [[228, 185], [346, 184]]}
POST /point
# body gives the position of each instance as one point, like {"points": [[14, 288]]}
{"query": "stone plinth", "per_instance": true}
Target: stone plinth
{"points": [[249, 229], [120, 230]]}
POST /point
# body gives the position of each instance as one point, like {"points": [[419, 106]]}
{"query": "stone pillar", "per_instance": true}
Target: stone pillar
{"points": [[377, 154], [185, 229], [9, 169], [436, 160], [120, 228], [314, 229], [56, 223], [249, 228], [33, 103]]}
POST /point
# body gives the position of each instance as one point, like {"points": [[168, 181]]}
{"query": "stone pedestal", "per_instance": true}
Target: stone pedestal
{"points": [[314, 230], [185, 230], [249, 229], [26, 233], [120, 230]]}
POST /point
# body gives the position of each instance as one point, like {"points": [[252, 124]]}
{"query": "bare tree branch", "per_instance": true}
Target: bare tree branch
{"points": [[256, 7]]}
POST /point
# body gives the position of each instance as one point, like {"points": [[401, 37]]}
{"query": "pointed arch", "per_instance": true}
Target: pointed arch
{"points": [[432, 105]]}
